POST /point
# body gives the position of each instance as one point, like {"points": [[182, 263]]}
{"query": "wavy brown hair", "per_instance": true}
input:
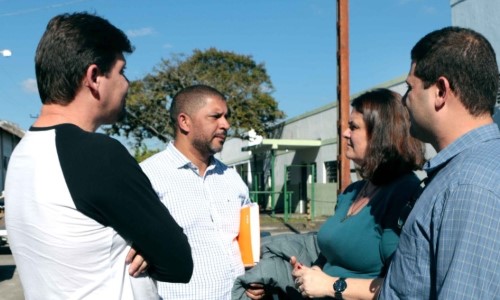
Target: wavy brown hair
{"points": [[391, 150]]}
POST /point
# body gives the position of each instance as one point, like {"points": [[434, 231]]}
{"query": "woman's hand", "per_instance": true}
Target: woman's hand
{"points": [[295, 263], [137, 263], [255, 291], [311, 282]]}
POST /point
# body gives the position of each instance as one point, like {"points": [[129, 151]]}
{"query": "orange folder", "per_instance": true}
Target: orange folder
{"points": [[249, 236]]}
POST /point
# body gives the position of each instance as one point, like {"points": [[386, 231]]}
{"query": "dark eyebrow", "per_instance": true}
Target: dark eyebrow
{"points": [[219, 114]]}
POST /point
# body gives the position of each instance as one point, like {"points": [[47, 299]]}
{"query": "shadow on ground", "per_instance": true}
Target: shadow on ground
{"points": [[295, 223], [7, 272], [5, 250]]}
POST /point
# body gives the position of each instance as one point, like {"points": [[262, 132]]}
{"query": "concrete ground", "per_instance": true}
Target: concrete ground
{"points": [[296, 223], [10, 286]]}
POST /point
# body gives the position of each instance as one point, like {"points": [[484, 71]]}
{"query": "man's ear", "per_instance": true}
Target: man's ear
{"points": [[184, 123], [91, 80], [442, 92]]}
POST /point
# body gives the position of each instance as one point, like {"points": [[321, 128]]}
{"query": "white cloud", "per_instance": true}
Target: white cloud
{"points": [[168, 46], [29, 86], [140, 32]]}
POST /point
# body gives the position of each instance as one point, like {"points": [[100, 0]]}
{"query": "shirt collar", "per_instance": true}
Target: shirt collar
{"points": [[180, 161], [471, 138]]}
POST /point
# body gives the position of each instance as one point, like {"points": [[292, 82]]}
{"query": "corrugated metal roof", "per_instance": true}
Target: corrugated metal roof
{"points": [[11, 128]]}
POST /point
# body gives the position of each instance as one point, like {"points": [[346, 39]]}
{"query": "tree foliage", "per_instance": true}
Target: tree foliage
{"points": [[142, 153], [245, 83]]}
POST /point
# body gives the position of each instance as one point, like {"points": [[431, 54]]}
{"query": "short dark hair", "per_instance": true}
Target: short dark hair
{"points": [[391, 150], [466, 59], [189, 100], [70, 44]]}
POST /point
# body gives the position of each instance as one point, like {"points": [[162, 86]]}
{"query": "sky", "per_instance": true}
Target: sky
{"points": [[294, 39]]}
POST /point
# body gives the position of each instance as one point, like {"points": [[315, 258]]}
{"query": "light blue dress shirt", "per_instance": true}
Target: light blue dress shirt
{"points": [[450, 245]]}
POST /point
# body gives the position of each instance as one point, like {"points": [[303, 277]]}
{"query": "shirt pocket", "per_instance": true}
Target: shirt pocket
{"points": [[228, 206]]}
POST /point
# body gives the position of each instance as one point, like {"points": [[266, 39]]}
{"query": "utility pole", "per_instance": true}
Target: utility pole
{"points": [[343, 163]]}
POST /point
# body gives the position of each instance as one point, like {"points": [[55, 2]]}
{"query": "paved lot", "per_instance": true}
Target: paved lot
{"points": [[10, 286]]}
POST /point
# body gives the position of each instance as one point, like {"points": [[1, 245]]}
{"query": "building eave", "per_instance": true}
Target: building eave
{"points": [[282, 144], [11, 128]]}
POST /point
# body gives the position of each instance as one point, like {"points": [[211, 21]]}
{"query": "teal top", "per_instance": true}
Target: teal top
{"points": [[361, 246]]}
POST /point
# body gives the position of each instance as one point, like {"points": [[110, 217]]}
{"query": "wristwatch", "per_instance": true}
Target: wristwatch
{"points": [[339, 286]]}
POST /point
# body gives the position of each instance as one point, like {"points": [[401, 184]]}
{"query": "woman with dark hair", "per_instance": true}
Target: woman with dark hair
{"points": [[357, 242]]}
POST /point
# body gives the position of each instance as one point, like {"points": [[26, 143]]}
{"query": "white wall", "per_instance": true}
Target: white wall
{"points": [[481, 16]]}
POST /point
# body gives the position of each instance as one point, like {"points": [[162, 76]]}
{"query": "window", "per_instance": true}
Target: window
{"points": [[331, 171]]}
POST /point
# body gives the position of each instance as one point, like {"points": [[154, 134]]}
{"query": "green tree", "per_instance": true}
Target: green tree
{"points": [[142, 152], [245, 83]]}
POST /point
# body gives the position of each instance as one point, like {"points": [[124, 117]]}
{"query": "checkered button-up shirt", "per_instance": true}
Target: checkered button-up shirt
{"points": [[208, 209], [450, 245]]}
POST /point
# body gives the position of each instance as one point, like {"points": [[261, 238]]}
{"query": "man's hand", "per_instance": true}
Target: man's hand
{"points": [[137, 263]]}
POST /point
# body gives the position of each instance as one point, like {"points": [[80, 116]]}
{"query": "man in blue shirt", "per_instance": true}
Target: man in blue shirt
{"points": [[450, 244]]}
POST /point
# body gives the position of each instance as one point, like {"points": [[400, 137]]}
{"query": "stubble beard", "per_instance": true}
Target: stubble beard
{"points": [[206, 147], [419, 133], [119, 115]]}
